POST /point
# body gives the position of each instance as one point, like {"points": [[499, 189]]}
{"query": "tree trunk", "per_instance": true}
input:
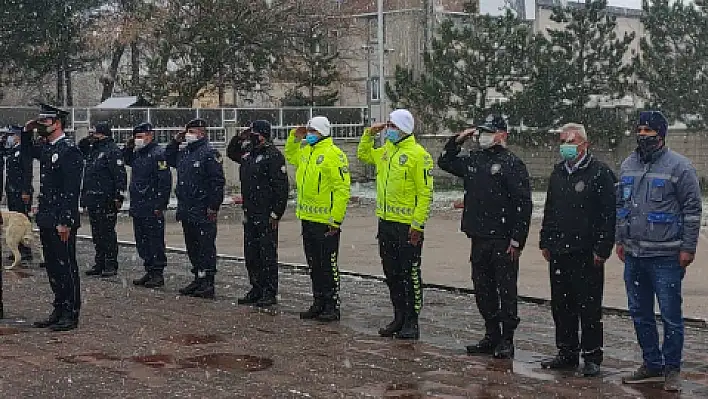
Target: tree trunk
{"points": [[110, 82], [134, 68], [69, 88], [60, 83]]}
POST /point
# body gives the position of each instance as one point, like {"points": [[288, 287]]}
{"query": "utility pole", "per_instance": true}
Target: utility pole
{"points": [[382, 84]]}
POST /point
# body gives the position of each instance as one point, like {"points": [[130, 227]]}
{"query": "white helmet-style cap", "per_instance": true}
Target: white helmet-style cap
{"points": [[321, 124], [403, 120]]}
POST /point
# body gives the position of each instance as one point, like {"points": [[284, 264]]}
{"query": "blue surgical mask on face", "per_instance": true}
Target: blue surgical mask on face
{"points": [[569, 151], [311, 138], [393, 135]]}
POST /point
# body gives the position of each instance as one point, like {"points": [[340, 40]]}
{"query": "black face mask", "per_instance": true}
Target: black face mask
{"points": [[251, 142], [648, 145]]}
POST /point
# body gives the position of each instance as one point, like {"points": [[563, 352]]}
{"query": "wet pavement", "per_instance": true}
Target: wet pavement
{"points": [[445, 253], [137, 343]]}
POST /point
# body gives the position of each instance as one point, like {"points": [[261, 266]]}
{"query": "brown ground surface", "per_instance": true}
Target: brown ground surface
{"points": [[137, 343]]}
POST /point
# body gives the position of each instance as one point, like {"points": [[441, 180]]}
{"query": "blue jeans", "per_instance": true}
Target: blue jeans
{"points": [[646, 278]]}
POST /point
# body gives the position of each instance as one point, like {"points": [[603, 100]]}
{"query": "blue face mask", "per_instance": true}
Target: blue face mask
{"points": [[393, 135], [311, 138], [569, 151]]}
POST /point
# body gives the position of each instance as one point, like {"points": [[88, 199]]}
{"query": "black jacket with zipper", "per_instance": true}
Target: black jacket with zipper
{"points": [[579, 215], [497, 192]]}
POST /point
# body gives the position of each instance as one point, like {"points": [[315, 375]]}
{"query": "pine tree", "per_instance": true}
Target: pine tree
{"points": [[672, 64], [573, 65], [311, 66], [468, 60]]}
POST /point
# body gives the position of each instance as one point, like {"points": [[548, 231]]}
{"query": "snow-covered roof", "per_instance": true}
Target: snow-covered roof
{"points": [[122, 102]]}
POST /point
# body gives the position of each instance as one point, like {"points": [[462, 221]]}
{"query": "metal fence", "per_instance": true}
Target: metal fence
{"points": [[346, 121]]}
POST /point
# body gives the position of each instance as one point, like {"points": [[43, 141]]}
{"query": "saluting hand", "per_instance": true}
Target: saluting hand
{"points": [[462, 137], [300, 132], [64, 233], [377, 127]]}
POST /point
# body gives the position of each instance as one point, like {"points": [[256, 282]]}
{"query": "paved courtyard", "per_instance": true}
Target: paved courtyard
{"points": [[138, 343]]}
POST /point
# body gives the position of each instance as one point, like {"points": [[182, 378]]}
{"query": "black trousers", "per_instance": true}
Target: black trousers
{"points": [[62, 270], [200, 239], [260, 247], [576, 298], [401, 266], [150, 241], [495, 277], [15, 204], [321, 251], [105, 240]]}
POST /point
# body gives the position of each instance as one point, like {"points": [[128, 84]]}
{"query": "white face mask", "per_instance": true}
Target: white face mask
{"points": [[139, 143], [487, 140], [190, 138]]}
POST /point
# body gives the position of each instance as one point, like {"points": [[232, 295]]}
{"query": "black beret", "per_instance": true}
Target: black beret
{"points": [[196, 123]]}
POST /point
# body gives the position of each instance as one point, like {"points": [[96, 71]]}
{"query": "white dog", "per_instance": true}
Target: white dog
{"points": [[18, 230]]}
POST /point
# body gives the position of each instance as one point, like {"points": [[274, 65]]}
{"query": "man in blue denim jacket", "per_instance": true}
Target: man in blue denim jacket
{"points": [[658, 223]]}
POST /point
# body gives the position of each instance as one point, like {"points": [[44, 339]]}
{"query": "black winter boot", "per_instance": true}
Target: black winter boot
{"points": [[410, 329], [94, 271], [490, 341], [330, 312], [250, 298], [189, 289], [395, 325], [315, 309], [51, 320], [206, 288], [142, 280], [156, 280]]}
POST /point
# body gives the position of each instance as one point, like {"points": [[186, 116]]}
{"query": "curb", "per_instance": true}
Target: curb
{"points": [[608, 310]]}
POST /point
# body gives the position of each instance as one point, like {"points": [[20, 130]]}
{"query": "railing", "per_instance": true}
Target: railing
{"points": [[346, 121]]}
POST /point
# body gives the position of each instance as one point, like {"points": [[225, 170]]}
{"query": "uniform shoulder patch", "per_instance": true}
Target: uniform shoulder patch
{"points": [[161, 165]]}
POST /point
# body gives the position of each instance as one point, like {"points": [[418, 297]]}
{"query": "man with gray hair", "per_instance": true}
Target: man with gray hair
{"points": [[577, 236]]}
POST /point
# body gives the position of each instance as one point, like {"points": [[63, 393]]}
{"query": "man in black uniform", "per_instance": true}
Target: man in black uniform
{"points": [[102, 195], [577, 236], [200, 192], [61, 165], [18, 185], [150, 186], [496, 218], [264, 186]]}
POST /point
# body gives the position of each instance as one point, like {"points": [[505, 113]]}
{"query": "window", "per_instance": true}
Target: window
{"points": [[373, 29], [374, 89]]}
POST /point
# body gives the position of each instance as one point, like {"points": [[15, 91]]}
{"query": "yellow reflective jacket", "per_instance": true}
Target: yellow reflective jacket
{"points": [[322, 178], [404, 181]]}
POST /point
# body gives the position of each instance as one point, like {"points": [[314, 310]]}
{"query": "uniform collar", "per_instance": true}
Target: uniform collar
{"points": [[197, 143], [58, 139], [407, 141], [581, 164], [324, 143], [148, 146]]}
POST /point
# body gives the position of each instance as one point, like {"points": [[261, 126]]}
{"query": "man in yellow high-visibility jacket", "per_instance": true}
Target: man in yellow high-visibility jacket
{"points": [[404, 192], [323, 190]]}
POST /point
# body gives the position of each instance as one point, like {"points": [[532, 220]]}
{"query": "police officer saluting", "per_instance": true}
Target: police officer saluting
{"points": [[102, 195], [61, 164], [150, 185], [18, 185], [323, 184], [200, 192], [496, 218], [404, 192], [264, 186]]}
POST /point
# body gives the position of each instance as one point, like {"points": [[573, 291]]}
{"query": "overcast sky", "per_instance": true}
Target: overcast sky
{"points": [[492, 6]]}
